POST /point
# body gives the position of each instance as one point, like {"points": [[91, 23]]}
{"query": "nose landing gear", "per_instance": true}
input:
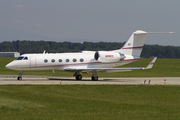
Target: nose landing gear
{"points": [[19, 78], [20, 75]]}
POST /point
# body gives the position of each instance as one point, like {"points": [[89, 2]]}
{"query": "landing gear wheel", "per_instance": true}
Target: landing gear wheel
{"points": [[19, 78], [79, 77], [20, 75], [94, 78]]}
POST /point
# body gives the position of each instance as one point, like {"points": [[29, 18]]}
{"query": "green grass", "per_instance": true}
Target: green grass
{"points": [[81, 102], [162, 68], [104, 102]]}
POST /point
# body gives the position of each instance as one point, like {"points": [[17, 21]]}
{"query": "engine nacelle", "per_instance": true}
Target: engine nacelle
{"points": [[105, 56]]}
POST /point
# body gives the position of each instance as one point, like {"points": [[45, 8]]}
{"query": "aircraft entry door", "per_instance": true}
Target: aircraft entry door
{"points": [[32, 62]]}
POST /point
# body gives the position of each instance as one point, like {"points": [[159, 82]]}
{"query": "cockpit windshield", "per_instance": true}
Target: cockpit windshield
{"points": [[25, 58], [22, 58]]}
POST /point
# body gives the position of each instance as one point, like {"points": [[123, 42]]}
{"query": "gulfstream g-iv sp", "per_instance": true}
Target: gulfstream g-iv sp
{"points": [[85, 61]]}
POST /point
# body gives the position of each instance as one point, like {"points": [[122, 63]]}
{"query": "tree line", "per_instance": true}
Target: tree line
{"points": [[27, 46]]}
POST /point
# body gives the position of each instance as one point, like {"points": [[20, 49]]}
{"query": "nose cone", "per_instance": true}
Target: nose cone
{"points": [[11, 65]]}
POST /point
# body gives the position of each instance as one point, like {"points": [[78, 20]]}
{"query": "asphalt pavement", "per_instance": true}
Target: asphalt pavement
{"points": [[52, 80]]}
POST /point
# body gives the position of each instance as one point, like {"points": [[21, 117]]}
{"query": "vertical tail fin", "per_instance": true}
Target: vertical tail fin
{"points": [[135, 43]]}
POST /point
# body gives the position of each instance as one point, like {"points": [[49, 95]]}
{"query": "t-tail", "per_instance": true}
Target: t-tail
{"points": [[135, 43]]}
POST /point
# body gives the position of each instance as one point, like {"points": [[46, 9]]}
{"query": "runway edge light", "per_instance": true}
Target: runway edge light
{"points": [[144, 82], [149, 82], [164, 81]]}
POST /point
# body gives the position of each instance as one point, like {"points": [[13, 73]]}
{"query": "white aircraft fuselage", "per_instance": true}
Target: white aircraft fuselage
{"points": [[84, 61], [61, 61]]}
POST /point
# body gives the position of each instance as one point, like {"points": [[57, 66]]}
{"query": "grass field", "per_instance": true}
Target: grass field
{"points": [[92, 102], [89, 102], [162, 68]]}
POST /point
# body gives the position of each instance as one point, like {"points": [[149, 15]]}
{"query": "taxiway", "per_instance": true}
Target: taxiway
{"points": [[51, 80]]}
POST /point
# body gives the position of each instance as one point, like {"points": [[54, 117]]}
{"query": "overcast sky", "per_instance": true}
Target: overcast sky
{"points": [[89, 20]]}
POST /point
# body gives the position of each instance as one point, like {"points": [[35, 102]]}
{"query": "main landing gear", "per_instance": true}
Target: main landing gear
{"points": [[78, 77], [93, 78], [20, 75]]}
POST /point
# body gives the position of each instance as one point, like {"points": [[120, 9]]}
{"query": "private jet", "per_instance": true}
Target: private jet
{"points": [[85, 61]]}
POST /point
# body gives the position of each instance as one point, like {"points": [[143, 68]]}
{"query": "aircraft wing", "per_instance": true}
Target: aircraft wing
{"points": [[111, 69]]}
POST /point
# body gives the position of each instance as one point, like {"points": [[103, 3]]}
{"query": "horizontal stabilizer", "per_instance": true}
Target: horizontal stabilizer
{"points": [[151, 63], [148, 33]]}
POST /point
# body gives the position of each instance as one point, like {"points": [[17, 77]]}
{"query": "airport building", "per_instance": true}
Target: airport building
{"points": [[9, 54]]}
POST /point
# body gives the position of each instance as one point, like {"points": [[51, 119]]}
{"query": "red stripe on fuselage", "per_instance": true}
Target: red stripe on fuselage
{"points": [[133, 47]]}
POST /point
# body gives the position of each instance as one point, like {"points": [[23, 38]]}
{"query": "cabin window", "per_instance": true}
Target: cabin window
{"points": [[53, 60], [81, 60], [67, 60], [45, 60], [74, 60], [60, 60]]}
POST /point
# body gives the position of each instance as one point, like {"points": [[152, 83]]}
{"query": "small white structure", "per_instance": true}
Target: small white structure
{"points": [[9, 54]]}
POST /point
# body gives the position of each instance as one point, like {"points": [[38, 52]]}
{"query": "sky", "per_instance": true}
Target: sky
{"points": [[89, 20]]}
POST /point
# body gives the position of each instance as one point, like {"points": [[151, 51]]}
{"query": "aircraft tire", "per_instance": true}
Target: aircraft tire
{"points": [[94, 78], [19, 78], [79, 77]]}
